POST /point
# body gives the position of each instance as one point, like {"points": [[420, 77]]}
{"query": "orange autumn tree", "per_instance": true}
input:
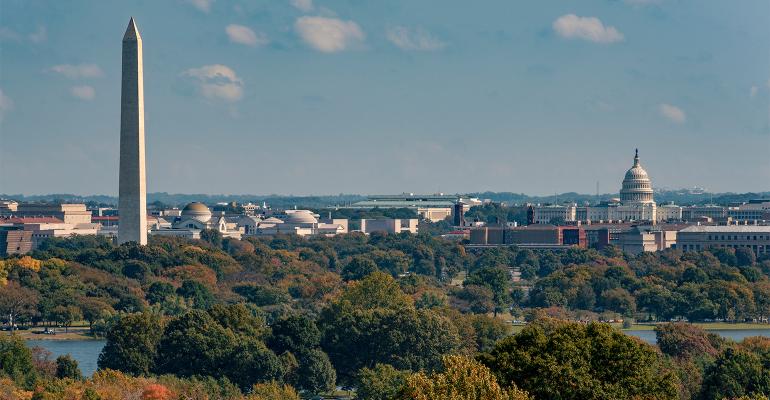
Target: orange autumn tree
{"points": [[156, 391]]}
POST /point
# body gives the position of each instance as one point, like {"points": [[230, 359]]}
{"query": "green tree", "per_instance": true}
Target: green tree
{"points": [[212, 236], [315, 373], [200, 295], [735, 373], [497, 279], [554, 359], [249, 362], [383, 382], [16, 361], [358, 268], [132, 344], [745, 257], [17, 302], [94, 309], [66, 315], [481, 299], [373, 321], [158, 292], [684, 340], [295, 333], [67, 367], [195, 344]]}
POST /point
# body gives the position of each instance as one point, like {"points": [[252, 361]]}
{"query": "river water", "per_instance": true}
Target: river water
{"points": [[86, 352], [734, 334]]}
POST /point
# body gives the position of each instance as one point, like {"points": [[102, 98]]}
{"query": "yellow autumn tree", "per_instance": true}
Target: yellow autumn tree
{"points": [[28, 262], [272, 390], [463, 378], [4, 267]]}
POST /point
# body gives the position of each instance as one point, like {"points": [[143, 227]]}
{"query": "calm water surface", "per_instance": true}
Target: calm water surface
{"points": [[734, 334], [86, 352]]}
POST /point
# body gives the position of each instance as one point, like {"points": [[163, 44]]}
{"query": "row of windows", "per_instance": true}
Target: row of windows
{"points": [[758, 249], [739, 237]]}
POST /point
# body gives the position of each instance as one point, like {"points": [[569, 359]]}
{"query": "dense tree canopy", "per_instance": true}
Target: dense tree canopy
{"points": [[561, 360]]}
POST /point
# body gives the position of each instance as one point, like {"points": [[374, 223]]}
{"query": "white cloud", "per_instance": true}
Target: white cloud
{"points": [[303, 5], [203, 5], [217, 82], [753, 91], [673, 113], [329, 35], [244, 35], [78, 71], [571, 26], [84, 92], [39, 36], [414, 39], [6, 104]]}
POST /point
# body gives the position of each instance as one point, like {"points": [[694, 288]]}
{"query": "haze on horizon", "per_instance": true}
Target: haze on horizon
{"points": [[321, 97]]}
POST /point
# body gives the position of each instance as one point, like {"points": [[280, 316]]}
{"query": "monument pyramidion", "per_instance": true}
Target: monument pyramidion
{"points": [[132, 191]]}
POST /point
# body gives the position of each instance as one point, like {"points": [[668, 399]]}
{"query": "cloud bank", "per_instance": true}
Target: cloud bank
{"points": [[244, 35], [216, 82], [81, 71], [592, 29], [414, 39], [329, 35], [672, 113]]}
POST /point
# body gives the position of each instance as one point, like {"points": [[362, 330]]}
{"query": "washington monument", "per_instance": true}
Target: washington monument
{"points": [[132, 193]]}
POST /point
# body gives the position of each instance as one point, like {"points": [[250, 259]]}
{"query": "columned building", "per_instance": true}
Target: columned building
{"points": [[636, 203]]}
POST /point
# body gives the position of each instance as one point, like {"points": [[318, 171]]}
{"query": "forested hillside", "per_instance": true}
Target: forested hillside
{"points": [[395, 314]]}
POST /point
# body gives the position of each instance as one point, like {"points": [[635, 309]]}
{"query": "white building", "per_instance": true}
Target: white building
{"points": [[196, 217], [296, 222], [48, 227], [389, 225], [755, 237]]}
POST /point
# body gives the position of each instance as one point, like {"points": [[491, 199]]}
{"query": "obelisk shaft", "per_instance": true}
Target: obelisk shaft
{"points": [[132, 196]]}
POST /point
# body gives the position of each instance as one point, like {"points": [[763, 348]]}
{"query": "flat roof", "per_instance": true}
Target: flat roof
{"points": [[727, 229]]}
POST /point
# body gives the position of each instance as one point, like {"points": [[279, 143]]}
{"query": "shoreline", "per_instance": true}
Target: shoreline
{"points": [[74, 333]]}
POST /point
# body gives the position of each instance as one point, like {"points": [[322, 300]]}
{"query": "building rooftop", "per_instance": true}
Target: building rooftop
{"points": [[728, 228], [31, 220], [401, 203]]}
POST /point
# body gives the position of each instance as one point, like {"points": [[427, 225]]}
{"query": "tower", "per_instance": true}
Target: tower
{"points": [[132, 192]]}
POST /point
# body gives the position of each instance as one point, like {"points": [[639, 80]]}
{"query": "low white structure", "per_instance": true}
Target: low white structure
{"points": [[641, 239], [196, 217], [389, 225], [48, 227], [297, 222]]}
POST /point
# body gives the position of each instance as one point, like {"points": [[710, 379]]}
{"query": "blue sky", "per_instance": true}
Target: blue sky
{"points": [[330, 96]]}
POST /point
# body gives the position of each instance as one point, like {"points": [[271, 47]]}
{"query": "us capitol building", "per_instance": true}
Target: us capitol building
{"points": [[636, 203]]}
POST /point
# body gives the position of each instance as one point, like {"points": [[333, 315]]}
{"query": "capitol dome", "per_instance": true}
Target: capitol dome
{"points": [[197, 211], [637, 187]]}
